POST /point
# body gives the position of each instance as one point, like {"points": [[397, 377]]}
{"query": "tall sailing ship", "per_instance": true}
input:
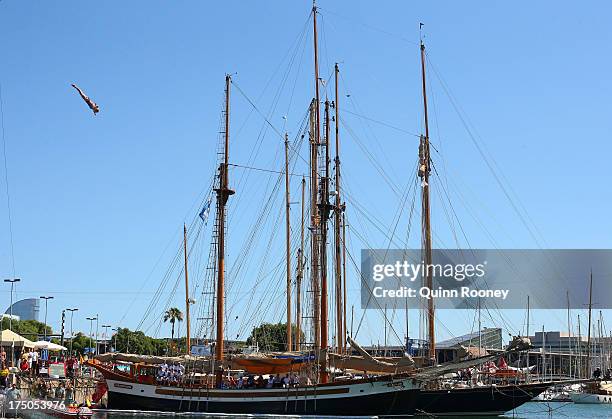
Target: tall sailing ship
{"points": [[393, 394], [396, 388]]}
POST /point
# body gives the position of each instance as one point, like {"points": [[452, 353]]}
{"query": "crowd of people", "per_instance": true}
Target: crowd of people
{"points": [[174, 374], [260, 381], [30, 362], [170, 373], [43, 389]]}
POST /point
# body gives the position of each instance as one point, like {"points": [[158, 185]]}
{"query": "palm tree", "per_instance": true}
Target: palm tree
{"points": [[172, 315]]}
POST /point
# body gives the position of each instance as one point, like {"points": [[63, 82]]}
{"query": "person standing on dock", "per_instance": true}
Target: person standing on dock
{"points": [[34, 367], [69, 393], [24, 365], [4, 372], [70, 366]]}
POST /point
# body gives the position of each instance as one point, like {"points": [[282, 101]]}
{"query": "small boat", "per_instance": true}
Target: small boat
{"points": [[51, 407], [70, 411], [557, 394], [595, 392]]}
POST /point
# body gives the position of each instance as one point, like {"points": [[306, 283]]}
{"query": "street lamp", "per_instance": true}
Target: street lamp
{"points": [[71, 310], [46, 298], [97, 318], [105, 335], [116, 330], [91, 319], [12, 281]]}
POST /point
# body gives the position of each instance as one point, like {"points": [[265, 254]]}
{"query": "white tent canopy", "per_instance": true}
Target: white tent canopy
{"points": [[10, 338], [50, 346]]}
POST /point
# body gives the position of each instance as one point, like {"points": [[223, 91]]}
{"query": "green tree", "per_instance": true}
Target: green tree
{"points": [[173, 315], [137, 342], [272, 337], [79, 343], [30, 329]]}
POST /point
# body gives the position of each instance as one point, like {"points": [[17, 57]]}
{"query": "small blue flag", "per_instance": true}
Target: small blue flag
{"points": [[205, 211]]}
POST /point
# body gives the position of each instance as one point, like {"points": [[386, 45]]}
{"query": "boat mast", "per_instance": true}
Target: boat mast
{"points": [[314, 230], [187, 304], [569, 332], [223, 193], [338, 209], [288, 243], [588, 360], [579, 366], [528, 354], [424, 170], [314, 185], [300, 275], [324, 209], [344, 280]]}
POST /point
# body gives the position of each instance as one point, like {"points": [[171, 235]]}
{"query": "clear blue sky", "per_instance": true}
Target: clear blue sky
{"points": [[96, 200]]}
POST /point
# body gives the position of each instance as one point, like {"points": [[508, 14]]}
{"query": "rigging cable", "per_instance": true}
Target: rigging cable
{"points": [[6, 178]]}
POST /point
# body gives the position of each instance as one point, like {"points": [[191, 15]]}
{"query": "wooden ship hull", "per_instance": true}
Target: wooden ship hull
{"points": [[478, 401], [385, 395]]}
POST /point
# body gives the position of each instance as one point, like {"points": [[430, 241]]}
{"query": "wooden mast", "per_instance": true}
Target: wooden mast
{"points": [[424, 170], [344, 281], [314, 184], [324, 210], [288, 243], [337, 221], [223, 193], [300, 275], [314, 230], [588, 360], [187, 303]]}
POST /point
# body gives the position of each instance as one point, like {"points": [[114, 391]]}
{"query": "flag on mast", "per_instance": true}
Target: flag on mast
{"points": [[205, 210]]}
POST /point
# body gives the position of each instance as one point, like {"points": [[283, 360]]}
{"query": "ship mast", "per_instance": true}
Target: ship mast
{"points": [[223, 193], [337, 221], [344, 281], [288, 243], [588, 360], [314, 186], [324, 208], [299, 276], [424, 170], [187, 304]]}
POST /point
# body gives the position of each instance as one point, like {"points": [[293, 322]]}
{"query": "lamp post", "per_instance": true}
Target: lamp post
{"points": [[97, 321], [91, 319], [105, 335], [12, 282], [116, 330], [71, 310], [46, 298]]}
